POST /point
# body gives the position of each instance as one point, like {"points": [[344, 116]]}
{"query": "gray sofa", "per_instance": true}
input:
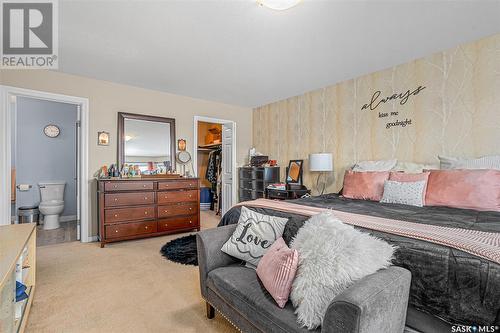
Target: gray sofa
{"points": [[376, 303]]}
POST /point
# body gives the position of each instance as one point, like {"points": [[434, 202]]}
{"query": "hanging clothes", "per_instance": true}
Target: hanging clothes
{"points": [[213, 175]]}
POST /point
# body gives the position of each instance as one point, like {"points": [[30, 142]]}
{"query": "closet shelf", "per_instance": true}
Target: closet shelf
{"points": [[209, 147]]}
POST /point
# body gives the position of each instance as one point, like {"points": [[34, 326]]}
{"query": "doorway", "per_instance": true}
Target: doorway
{"points": [[215, 164], [44, 160], [22, 129]]}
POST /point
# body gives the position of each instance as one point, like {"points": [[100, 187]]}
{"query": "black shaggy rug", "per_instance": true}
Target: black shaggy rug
{"points": [[181, 250]]}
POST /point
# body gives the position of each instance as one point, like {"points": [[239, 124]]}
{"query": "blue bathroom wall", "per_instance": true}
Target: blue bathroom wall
{"points": [[39, 158]]}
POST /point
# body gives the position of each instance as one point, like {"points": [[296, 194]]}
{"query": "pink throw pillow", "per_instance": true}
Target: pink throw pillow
{"points": [[411, 178], [364, 185], [471, 189], [277, 270]]}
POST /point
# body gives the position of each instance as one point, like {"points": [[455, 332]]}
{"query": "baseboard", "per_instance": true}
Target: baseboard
{"points": [[93, 238], [68, 218]]}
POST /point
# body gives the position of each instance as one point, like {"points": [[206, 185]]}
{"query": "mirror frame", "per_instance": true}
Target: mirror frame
{"points": [[121, 133], [301, 170]]}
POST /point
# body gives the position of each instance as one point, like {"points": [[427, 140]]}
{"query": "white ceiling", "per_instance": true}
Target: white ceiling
{"points": [[240, 53]]}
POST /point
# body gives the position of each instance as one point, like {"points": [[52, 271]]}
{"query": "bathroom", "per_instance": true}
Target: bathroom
{"points": [[44, 168]]}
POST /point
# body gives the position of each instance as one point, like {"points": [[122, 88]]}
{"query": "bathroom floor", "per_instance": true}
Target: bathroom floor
{"points": [[66, 233]]}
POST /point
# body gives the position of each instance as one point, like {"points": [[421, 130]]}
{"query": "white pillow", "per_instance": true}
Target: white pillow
{"points": [[406, 193], [332, 256], [382, 165], [254, 234], [485, 162]]}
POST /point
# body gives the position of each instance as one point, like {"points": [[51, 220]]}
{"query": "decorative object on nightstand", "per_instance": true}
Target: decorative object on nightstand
{"points": [[321, 163], [293, 189]]}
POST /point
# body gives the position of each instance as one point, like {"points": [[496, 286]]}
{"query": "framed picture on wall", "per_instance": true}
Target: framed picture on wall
{"points": [[103, 138]]}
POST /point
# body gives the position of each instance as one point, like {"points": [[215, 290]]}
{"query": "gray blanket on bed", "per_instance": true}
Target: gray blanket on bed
{"points": [[455, 286]]}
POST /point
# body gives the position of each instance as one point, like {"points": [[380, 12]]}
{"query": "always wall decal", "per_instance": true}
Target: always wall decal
{"points": [[402, 97]]}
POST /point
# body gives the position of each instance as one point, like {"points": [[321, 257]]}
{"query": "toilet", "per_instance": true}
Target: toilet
{"points": [[52, 203]]}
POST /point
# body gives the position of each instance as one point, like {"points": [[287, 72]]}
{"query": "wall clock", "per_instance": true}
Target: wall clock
{"points": [[51, 131]]}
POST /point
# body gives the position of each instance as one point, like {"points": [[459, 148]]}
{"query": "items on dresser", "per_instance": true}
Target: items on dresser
{"points": [[254, 180], [258, 160], [138, 208]]}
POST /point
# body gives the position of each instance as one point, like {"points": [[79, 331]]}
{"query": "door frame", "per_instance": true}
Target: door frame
{"points": [[8, 94], [196, 120]]}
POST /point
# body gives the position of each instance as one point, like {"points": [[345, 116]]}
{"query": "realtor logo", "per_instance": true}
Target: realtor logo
{"points": [[29, 34]]}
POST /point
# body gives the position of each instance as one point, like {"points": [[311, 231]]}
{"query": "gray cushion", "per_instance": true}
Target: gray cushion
{"points": [[241, 288]]}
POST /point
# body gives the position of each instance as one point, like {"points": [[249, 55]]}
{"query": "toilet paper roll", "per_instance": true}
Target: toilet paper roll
{"points": [[24, 187]]}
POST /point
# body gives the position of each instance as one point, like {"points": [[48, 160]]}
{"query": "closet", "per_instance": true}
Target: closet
{"points": [[210, 166]]}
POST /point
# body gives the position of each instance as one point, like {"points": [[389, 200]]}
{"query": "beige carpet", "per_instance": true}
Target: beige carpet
{"points": [[125, 287]]}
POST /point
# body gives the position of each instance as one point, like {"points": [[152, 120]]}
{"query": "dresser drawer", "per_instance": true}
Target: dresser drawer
{"points": [[129, 214], [277, 194], [128, 199], [251, 184], [129, 185], [250, 195], [130, 229], [178, 223], [175, 210], [178, 184], [177, 196]]}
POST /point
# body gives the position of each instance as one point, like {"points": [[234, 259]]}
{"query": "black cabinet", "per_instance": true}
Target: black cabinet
{"points": [[254, 180]]}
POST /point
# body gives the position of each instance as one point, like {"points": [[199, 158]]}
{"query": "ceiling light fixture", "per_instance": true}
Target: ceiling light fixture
{"points": [[278, 4]]}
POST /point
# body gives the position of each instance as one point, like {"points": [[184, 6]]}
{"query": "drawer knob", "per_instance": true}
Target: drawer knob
{"points": [[190, 222], [190, 184], [190, 208], [145, 213], [116, 230], [166, 185], [115, 186], [145, 227], [116, 215], [190, 196], [145, 198], [165, 211], [144, 185], [116, 199], [166, 224]]}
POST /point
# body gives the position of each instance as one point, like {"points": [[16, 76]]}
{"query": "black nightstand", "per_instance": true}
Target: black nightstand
{"points": [[286, 194]]}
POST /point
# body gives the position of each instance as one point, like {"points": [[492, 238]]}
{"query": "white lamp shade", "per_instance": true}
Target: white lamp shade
{"points": [[320, 162]]}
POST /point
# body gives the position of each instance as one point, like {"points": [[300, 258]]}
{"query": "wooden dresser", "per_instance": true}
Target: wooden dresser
{"points": [[139, 208]]}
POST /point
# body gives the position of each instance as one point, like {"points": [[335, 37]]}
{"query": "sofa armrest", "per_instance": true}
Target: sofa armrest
{"points": [[209, 242], [376, 303]]}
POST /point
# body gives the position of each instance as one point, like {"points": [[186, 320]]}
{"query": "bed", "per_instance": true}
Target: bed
{"points": [[451, 285]]}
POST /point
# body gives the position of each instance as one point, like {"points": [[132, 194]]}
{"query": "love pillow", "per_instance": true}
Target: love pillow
{"points": [[254, 234]]}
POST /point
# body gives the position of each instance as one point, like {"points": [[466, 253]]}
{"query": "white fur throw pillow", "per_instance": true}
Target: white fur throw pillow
{"points": [[332, 256]]}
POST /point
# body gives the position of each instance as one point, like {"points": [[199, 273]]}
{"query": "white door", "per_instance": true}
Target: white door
{"points": [[227, 167]]}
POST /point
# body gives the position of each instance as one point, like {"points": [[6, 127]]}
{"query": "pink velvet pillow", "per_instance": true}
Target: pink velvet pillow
{"points": [[364, 185], [277, 270], [411, 178], [472, 189]]}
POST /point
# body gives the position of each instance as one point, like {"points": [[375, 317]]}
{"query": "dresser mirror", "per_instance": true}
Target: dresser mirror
{"points": [[147, 142]]}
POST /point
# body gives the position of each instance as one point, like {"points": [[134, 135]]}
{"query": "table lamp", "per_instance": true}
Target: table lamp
{"points": [[321, 163]]}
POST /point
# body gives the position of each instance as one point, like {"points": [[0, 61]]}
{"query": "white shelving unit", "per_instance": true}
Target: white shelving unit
{"points": [[17, 263]]}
